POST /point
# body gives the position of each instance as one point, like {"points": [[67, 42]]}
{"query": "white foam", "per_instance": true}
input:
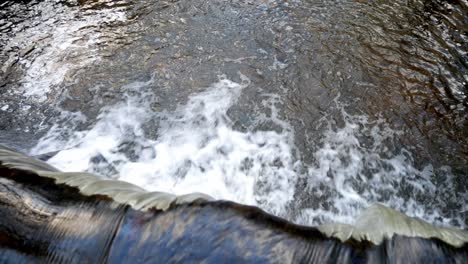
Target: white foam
{"points": [[198, 150], [355, 167]]}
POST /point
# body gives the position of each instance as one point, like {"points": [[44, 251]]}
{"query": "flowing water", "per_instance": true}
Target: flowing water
{"points": [[311, 110]]}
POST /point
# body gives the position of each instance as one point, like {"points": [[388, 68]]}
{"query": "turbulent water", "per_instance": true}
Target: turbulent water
{"points": [[311, 110]]}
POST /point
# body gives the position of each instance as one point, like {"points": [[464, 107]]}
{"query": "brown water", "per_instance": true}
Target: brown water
{"points": [[369, 96]]}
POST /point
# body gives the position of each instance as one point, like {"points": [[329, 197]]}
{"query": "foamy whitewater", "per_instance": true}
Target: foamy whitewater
{"points": [[196, 149]]}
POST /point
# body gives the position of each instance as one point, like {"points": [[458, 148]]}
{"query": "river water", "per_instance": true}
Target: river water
{"points": [[311, 110]]}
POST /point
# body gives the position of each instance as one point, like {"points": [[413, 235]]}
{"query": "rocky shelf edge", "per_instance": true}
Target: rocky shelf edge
{"points": [[53, 216]]}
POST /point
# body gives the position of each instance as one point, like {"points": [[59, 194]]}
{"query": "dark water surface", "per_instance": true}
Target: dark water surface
{"points": [[309, 109]]}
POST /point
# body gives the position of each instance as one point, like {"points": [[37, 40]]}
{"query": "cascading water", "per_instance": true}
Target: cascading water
{"points": [[284, 105], [196, 149]]}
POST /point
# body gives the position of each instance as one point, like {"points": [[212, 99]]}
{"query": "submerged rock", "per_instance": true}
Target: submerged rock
{"points": [[51, 216]]}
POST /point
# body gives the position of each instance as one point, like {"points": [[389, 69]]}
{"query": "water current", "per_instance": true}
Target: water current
{"points": [[311, 110]]}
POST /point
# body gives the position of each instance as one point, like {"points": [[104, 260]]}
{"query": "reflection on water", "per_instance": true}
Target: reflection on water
{"points": [[366, 98]]}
